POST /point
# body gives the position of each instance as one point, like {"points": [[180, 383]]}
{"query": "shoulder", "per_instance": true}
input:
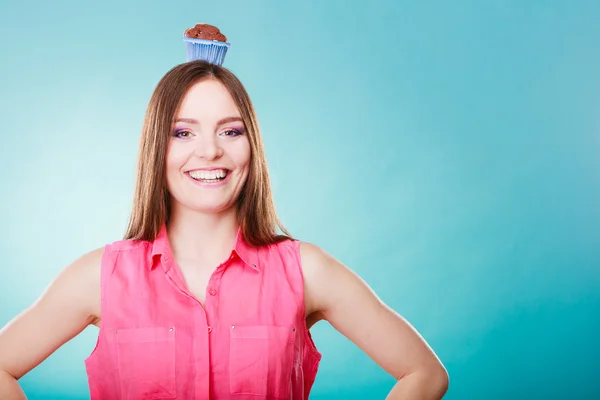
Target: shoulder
{"points": [[315, 261], [326, 279], [76, 288], [85, 269], [319, 269], [89, 264], [81, 279], [127, 245], [317, 264], [311, 258]]}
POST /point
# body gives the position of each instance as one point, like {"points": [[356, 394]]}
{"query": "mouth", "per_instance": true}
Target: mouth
{"points": [[212, 176]]}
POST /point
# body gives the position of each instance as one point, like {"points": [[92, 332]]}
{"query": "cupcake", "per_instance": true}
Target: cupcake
{"points": [[205, 42]]}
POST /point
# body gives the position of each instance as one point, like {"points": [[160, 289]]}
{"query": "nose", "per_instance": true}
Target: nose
{"points": [[208, 147]]}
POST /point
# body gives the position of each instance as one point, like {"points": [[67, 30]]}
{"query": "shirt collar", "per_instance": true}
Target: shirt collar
{"points": [[245, 251], [160, 245]]}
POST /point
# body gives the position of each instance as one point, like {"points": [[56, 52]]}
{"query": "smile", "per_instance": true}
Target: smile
{"points": [[212, 176]]}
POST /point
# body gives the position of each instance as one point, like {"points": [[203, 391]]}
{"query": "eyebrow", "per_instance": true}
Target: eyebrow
{"points": [[220, 122]]}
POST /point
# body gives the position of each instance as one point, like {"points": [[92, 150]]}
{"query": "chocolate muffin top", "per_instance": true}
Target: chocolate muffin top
{"points": [[206, 32]]}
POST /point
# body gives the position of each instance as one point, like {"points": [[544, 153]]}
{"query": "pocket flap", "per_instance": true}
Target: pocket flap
{"points": [[147, 334]]}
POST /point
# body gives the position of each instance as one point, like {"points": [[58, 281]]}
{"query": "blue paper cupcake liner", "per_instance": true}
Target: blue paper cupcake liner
{"points": [[211, 51]]}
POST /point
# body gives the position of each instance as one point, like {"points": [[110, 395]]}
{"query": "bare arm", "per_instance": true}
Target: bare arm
{"points": [[69, 304], [336, 294]]}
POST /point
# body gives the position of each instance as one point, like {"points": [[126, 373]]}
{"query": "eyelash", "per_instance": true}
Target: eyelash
{"points": [[236, 132], [179, 132]]}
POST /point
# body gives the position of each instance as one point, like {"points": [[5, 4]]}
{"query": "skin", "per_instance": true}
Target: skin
{"points": [[205, 138]]}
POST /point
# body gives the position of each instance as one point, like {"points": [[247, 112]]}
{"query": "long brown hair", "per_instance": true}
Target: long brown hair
{"points": [[151, 204]]}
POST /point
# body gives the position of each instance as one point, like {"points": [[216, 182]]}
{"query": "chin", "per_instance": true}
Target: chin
{"points": [[209, 208], [204, 202]]}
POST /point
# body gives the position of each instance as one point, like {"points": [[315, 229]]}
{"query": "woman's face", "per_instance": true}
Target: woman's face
{"points": [[208, 156]]}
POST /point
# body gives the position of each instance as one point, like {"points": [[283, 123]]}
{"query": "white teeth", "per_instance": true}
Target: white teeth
{"points": [[209, 175]]}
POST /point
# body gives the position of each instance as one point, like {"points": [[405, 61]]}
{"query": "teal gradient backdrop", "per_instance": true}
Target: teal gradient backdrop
{"points": [[448, 152]]}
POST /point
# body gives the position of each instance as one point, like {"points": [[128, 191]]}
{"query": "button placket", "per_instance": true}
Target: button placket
{"points": [[215, 282]]}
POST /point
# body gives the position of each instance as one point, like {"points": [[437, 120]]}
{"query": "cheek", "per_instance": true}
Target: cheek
{"points": [[175, 158], [241, 154]]}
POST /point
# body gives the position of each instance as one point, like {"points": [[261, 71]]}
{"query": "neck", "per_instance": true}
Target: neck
{"points": [[197, 236]]}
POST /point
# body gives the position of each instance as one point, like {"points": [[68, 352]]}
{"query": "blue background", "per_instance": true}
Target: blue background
{"points": [[448, 152]]}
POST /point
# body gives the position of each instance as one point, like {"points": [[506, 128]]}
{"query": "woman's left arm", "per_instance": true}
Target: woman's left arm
{"points": [[334, 293]]}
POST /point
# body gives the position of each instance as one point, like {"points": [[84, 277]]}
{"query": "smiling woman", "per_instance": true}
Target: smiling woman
{"points": [[201, 107], [208, 296]]}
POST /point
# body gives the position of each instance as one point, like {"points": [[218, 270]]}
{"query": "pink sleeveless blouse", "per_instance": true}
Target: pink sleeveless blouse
{"points": [[156, 341]]}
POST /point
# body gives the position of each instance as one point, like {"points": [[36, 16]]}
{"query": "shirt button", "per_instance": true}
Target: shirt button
{"points": [[209, 329], [212, 292]]}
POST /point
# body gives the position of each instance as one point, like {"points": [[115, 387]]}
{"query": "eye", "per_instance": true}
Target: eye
{"points": [[182, 133], [232, 132]]}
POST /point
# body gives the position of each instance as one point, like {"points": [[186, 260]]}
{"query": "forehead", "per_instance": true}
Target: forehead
{"points": [[206, 100]]}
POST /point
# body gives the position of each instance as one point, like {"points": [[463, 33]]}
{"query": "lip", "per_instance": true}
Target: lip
{"points": [[210, 184], [207, 169]]}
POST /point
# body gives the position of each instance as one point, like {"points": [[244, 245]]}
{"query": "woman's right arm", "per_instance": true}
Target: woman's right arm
{"points": [[69, 304]]}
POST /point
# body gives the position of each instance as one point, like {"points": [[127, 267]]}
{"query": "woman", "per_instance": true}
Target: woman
{"points": [[203, 298]]}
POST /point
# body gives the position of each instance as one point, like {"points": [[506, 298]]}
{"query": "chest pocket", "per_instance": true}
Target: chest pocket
{"points": [[261, 360], [146, 361]]}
